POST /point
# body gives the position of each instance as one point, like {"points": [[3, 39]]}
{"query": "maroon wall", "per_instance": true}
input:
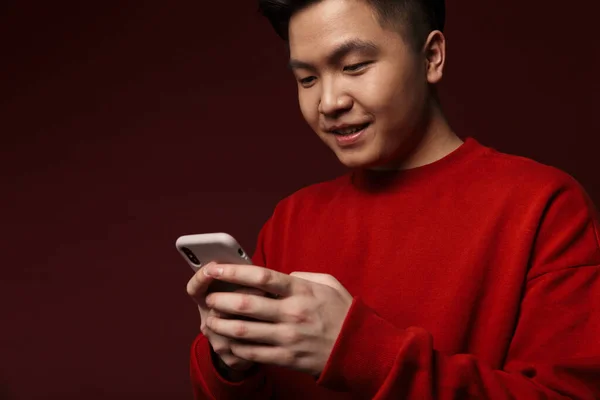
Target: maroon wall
{"points": [[124, 126]]}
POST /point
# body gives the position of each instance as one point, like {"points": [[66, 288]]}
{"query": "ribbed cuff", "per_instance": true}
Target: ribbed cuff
{"points": [[364, 353], [208, 383]]}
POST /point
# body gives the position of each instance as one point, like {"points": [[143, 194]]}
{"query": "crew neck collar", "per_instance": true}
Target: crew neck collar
{"points": [[382, 180]]}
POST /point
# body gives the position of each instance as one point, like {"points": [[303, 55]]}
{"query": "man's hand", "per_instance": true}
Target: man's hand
{"points": [[198, 289], [297, 329]]}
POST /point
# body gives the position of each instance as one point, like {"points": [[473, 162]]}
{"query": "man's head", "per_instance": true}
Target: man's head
{"points": [[366, 65], [414, 18]]}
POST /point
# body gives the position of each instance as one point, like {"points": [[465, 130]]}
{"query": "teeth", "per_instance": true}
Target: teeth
{"points": [[349, 131]]}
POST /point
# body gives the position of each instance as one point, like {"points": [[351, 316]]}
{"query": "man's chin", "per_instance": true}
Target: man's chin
{"points": [[357, 160], [362, 155]]}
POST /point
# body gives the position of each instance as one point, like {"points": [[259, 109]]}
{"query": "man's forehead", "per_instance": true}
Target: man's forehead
{"points": [[325, 26], [327, 18]]}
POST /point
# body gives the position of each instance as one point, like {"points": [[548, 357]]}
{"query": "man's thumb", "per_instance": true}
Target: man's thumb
{"points": [[323, 279]]}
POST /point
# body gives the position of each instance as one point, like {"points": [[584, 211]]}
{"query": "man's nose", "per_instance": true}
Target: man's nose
{"points": [[334, 101]]}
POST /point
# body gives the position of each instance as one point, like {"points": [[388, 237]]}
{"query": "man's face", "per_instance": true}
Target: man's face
{"points": [[353, 74]]}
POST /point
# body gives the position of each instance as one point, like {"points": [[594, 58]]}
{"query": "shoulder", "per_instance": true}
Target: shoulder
{"points": [[525, 176], [532, 189]]}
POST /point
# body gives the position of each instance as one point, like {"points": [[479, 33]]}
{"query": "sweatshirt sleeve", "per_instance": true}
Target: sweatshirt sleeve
{"points": [[207, 383], [554, 352]]}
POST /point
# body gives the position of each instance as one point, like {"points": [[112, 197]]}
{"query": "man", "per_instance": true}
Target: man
{"points": [[435, 268]]}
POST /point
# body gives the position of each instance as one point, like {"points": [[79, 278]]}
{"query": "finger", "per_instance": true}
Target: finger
{"points": [[218, 314], [236, 363], [256, 332], [324, 279], [222, 347], [220, 344], [198, 285], [250, 275], [273, 355], [249, 290], [246, 305]]}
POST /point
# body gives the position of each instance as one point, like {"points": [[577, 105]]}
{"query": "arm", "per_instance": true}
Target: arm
{"points": [[555, 350]]}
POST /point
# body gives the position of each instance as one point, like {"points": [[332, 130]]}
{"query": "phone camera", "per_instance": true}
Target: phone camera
{"points": [[190, 254]]}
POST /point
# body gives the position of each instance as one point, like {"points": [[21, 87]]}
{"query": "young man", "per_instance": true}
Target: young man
{"points": [[435, 268]]}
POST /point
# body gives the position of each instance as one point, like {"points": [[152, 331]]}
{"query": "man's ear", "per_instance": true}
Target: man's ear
{"points": [[435, 56]]}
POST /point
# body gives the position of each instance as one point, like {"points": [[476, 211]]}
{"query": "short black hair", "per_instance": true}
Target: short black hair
{"points": [[414, 18]]}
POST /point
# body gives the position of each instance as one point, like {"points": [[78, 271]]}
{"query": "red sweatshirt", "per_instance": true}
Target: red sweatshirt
{"points": [[476, 276]]}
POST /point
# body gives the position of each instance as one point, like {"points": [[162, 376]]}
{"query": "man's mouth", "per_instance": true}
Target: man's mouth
{"points": [[350, 130]]}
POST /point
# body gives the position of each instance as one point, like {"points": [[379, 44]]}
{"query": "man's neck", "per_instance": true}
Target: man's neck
{"points": [[436, 141]]}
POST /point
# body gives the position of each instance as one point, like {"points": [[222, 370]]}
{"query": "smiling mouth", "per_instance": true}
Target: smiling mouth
{"points": [[350, 130]]}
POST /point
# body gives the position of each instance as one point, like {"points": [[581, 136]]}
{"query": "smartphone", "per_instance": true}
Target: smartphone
{"points": [[222, 248]]}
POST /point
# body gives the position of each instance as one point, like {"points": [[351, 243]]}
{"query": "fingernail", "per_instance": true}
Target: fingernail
{"points": [[213, 270], [205, 270]]}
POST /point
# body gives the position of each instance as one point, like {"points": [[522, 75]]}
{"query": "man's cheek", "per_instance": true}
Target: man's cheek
{"points": [[309, 108]]}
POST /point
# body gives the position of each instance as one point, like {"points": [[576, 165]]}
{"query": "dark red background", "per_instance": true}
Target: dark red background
{"points": [[126, 125]]}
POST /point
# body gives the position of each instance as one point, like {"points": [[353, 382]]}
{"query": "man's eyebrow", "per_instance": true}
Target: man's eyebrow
{"points": [[350, 46]]}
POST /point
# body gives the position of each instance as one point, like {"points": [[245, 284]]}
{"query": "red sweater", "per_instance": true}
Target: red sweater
{"points": [[476, 276]]}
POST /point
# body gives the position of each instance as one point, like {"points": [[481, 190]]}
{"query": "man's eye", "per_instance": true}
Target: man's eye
{"points": [[307, 81], [355, 67]]}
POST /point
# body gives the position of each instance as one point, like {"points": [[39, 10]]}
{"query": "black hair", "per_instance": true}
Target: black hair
{"points": [[413, 18]]}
